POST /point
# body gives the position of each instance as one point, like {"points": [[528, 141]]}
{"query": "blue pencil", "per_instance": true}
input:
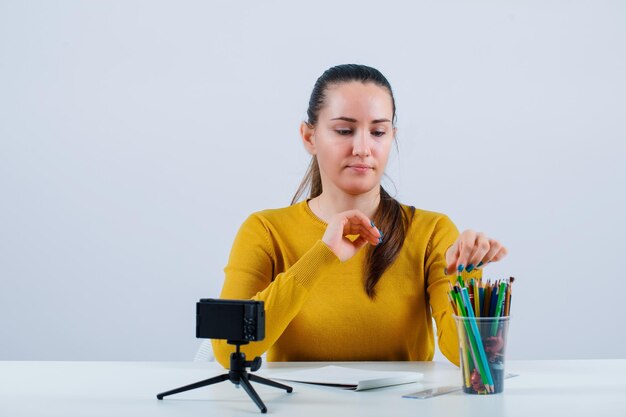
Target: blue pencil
{"points": [[481, 297], [494, 299]]}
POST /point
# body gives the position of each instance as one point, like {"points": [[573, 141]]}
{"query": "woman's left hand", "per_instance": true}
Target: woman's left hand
{"points": [[473, 250]]}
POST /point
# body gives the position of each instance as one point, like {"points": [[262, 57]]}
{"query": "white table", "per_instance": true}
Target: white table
{"points": [[543, 388]]}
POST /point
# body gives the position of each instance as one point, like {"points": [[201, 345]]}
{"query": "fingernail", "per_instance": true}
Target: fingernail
{"points": [[381, 233], [372, 223], [460, 268], [470, 268], [380, 240], [479, 264]]}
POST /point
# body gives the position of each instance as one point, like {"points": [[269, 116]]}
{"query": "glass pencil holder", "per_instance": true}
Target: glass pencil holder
{"points": [[482, 347]]}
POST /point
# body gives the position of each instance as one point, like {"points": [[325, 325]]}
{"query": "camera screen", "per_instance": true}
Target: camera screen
{"points": [[236, 320]]}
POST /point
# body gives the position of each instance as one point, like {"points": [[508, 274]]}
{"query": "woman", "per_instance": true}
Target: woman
{"points": [[350, 274]]}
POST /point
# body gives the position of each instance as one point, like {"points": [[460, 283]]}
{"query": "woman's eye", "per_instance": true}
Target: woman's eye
{"points": [[343, 132], [378, 133]]}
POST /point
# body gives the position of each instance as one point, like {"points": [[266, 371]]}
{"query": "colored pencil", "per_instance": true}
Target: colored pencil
{"points": [[494, 299], [476, 299], [483, 364], [499, 304], [473, 348], [487, 300]]}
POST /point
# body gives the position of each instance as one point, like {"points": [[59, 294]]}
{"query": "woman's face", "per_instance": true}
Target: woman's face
{"points": [[353, 136]]}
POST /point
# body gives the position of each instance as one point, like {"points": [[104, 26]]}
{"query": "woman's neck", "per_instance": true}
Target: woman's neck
{"points": [[332, 202]]}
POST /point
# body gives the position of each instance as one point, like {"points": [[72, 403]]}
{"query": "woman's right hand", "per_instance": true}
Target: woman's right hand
{"points": [[351, 222]]}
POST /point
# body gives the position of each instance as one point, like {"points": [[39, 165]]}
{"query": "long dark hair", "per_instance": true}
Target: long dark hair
{"points": [[389, 216]]}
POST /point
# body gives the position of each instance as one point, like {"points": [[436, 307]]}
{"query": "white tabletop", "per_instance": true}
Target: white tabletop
{"points": [[543, 388]]}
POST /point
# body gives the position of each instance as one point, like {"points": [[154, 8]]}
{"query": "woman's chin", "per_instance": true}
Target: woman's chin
{"points": [[360, 188]]}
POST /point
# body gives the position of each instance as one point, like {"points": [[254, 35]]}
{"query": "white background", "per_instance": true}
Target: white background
{"points": [[136, 136]]}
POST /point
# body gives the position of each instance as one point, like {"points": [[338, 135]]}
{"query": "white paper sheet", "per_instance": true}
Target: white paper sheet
{"points": [[349, 378]]}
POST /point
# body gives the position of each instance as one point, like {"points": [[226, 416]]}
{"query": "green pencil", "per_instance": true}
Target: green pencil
{"points": [[473, 348], [501, 291]]}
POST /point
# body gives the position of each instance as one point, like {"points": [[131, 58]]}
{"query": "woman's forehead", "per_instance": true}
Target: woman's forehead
{"points": [[357, 100]]}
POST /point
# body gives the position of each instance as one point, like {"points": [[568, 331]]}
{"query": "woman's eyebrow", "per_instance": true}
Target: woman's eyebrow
{"points": [[351, 120]]}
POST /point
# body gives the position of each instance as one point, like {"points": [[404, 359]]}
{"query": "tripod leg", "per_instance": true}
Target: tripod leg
{"points": [[269, 382], [199, 384], [245, 383]]}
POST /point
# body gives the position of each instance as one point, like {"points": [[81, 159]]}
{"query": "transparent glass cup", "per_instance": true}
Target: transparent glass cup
{"points": [[482, 342]]}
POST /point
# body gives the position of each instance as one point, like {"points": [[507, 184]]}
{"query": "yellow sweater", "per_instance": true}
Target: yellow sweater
{"points": [[316, 306]]}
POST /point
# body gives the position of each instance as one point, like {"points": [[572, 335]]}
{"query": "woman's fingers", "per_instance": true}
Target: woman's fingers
{"points": [[452, 256], [495, 253], [473, 250], [482, 245], [352, 222], [359, 242], [466, 247], [359, 224], [500, 254]]}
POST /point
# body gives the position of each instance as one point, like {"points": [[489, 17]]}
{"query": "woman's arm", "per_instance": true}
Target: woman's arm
{"points": [[250, 274], [443, 237]]}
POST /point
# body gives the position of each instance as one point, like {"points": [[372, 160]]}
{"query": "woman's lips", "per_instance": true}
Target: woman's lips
{"points": [[359, 168]]}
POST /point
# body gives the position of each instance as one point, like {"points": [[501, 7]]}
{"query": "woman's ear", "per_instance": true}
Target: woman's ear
{"points": [[307, 133]]}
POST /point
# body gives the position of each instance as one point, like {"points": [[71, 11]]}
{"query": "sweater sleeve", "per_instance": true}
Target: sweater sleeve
{"points": [[249, 275], [444, 235]]}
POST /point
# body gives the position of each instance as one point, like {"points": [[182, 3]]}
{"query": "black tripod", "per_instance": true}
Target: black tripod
{"points": [[237, 375]]}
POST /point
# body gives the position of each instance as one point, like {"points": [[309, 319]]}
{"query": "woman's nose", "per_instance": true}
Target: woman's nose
{"points": [[360, 146]]}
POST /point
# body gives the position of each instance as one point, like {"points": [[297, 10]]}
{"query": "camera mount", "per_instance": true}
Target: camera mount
{"points": [[238, 375]]}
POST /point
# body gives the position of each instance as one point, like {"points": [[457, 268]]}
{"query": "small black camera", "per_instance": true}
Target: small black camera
{"points": [[234, 320], [239, 322]]}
